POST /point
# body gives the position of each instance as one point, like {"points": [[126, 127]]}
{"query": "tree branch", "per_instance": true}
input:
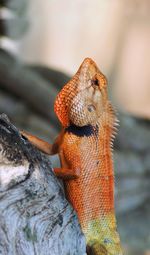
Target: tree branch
{"points": [[35, 217]]}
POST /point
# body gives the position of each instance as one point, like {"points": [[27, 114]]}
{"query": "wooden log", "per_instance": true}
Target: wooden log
{"points": [[133, 133], [129, 164], [17, 6], [14, 28], [132, 180], [25, 118], [56, 77], [27, 85], [35, 217]]}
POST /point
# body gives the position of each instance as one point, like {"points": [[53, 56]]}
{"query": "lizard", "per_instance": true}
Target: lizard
{"points": [[85, 150]]}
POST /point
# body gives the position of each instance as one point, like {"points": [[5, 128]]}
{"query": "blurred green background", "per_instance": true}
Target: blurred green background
{"points": [[42, 44]]}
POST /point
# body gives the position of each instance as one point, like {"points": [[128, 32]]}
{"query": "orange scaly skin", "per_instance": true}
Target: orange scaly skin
{"points": [[88, 120], [84, 147]]}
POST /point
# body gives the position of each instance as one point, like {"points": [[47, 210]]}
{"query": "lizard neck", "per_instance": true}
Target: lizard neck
{"points": [[87, 130]]}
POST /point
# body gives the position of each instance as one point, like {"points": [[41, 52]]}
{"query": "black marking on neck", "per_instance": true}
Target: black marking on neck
{"points": [[87, 130]]}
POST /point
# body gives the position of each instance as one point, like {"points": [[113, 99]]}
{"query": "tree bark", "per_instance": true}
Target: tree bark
{"points": [[35, 217]]}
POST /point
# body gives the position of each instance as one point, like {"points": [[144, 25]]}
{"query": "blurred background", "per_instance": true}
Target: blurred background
{"points": [[42, 44]]}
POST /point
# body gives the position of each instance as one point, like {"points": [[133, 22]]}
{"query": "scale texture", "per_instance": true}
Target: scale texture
{"points": [[85, 147]]}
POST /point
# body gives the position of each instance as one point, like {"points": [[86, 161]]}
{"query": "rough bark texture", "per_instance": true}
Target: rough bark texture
{"points": [[35, 217]]}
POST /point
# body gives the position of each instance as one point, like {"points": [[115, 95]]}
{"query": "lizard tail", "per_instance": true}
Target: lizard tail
{"points": [[102, 237]]}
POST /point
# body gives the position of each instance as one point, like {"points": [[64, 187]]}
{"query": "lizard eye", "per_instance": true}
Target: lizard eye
{"points": [[91, 108], [95, 82]]}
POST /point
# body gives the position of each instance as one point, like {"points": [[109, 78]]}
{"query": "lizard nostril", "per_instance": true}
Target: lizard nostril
{"points": [[95, 82]]}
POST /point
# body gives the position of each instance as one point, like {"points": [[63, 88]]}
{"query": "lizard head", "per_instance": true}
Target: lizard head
{"points": [[82, 100]]}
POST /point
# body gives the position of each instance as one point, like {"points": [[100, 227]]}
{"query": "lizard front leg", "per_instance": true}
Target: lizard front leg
{"points": [[42, 145], [66, 173], [51, 149]]}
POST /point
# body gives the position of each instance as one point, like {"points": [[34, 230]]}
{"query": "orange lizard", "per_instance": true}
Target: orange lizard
{"points": [[84, 148]]}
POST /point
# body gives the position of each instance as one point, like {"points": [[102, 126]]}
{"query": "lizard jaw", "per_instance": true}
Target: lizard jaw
{"points": [[87, 77]]}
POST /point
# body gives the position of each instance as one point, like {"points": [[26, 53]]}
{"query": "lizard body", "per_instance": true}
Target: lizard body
{"points": [[84, 147]]}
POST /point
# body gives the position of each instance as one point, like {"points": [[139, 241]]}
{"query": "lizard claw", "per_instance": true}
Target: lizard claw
{"points": [[24, 134]]}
